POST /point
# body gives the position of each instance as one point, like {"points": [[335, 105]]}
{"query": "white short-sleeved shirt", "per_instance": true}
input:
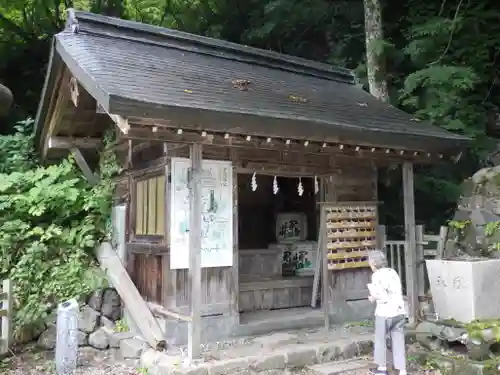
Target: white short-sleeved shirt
{"points": [[388, 294]]}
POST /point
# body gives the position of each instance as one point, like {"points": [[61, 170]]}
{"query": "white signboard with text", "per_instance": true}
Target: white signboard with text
{"points": [[217, 213]]}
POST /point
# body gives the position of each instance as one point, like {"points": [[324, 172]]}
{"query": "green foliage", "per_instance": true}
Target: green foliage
{"points": [[476, 329], [11, 157], [491, 228], [459, 224], [442, 61], [50, 221]]}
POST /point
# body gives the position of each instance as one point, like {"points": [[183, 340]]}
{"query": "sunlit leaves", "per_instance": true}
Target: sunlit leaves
{"points": [[51, 219]]}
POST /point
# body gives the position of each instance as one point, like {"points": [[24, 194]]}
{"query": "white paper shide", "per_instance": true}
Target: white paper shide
{"points": [[217, 214]]}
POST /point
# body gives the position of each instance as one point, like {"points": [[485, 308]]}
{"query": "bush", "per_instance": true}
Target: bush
{"points": [[51, 219]]}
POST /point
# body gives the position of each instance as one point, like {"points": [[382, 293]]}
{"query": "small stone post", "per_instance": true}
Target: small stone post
{"points": [[67, 338]]}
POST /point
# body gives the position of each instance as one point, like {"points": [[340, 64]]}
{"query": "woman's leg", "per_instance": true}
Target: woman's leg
{"points": [[379, 343], [398, 348]]}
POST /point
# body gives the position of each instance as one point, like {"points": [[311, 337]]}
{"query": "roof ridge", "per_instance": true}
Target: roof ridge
{"points": [[94, 23]]}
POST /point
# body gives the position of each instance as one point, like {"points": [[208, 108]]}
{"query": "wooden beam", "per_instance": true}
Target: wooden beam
{"points": [[100, 109], [163, 134], [118, 277], [411, 242], [194, 276], [84, 167], [57, 110], [165, 263], [67, 143], [234, 278], [165, 313], [121, 122]]}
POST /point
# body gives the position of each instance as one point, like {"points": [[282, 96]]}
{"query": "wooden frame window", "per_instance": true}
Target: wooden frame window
{"points": [[150, 206]]}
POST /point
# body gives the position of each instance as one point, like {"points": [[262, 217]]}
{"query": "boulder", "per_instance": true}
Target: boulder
{"points": [[116, 337], [47, 340], [96, 299], [111, 305], [99, 339], [82, 338], [132, 348], [479, 205], [6, 99], [88, 319]]}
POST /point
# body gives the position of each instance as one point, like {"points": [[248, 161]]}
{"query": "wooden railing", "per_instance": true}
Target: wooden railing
{"points": [[6, 317], [429, 246]]}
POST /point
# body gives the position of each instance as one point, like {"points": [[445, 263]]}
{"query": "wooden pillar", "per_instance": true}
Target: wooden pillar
{"points": [[169, 286], [234, 293], [194, 275], [410, 239], [419, 236]]}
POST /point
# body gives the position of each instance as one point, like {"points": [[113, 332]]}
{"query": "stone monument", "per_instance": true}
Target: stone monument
{"points": [[67, 337]]}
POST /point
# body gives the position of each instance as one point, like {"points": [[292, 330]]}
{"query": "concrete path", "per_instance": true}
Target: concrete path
{"points": [[275, 353]]}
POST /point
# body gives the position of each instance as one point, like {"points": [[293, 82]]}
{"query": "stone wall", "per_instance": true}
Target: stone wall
{"points": [[97, 323]]}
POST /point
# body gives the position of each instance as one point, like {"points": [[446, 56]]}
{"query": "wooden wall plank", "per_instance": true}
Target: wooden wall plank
{"points": [[139, 208], [160, 206], [151, 205]]}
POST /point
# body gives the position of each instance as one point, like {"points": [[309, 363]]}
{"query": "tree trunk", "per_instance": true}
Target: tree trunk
{"points": [[374, 60]]}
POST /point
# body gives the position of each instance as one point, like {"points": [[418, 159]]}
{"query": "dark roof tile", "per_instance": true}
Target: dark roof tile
{"points": [[164, 67]]}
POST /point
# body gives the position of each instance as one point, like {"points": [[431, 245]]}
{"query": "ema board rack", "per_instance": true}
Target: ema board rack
{"points": [[350, 234]]}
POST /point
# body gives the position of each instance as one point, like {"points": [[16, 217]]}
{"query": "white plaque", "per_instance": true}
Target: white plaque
{"points": [[217, 213]]}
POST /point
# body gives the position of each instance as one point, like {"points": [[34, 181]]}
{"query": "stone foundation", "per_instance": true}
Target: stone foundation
{"points": [[271, 354], [213, 328]]}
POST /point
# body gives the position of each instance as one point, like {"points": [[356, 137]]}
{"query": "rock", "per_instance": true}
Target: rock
{"points": [[151, 357], [480, 176], [52, 318], [96, 299], [132, 348], [111, 305], [116, 337], [88, 319], [269, 361], [479, 205], [229, 366], [300, 356], [105, 322], [82, 338], [47, 339], [99, 339], [6, 99], [30, 333]]}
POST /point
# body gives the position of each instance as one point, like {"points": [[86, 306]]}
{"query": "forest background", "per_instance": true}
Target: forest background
{"points": [[439, 60]]}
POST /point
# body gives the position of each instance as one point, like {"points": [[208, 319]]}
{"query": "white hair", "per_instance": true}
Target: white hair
{"points": [[377, 259]]}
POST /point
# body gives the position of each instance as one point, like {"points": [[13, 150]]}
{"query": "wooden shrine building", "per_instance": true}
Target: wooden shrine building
{"points": [[228, 151]]}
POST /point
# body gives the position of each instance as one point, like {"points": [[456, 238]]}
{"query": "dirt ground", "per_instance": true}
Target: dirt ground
{"points": [[91, 361]]}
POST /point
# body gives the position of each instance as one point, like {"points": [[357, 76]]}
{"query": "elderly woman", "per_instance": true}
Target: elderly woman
{"points": [[390, 315]]}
